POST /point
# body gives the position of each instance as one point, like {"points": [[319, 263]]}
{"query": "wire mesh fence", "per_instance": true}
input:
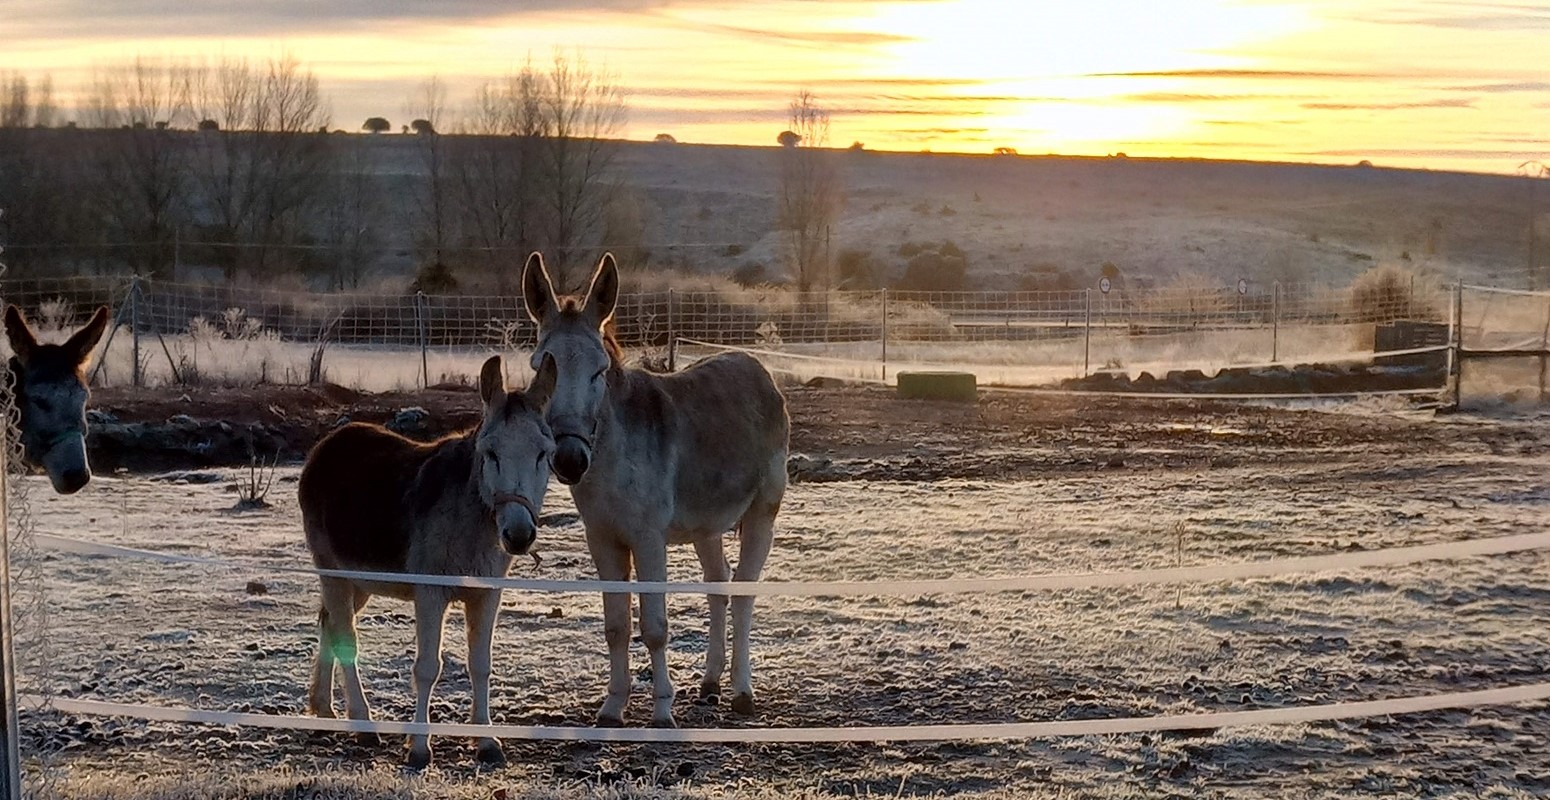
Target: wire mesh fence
{"points": [[171, 332]]}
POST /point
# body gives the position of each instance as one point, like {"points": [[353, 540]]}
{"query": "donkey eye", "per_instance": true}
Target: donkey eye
{"points": [[599, 374], [542, 457]]}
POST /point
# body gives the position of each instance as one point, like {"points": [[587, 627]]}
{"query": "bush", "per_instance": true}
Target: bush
{"points": [[1390, 292], [749, 275], [950, 250], [434, 278], [910, 249], [934, 272], [858, 270], [1191, 298]]}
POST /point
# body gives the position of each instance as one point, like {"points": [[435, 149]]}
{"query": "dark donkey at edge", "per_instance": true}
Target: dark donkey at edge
{"points": [[375, 501], [48, 385], [653, 460]]}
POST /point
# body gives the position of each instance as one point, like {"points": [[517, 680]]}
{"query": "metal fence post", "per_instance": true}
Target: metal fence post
{"points": [[419, 325], [885, 335], [1458, 343], [134, 327], [10, 750], [1087, 330], [1275, 322], [672, 335]]}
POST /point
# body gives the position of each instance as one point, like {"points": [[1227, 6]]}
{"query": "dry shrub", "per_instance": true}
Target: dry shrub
{"points": [[1390, 292], [1191, 298]]}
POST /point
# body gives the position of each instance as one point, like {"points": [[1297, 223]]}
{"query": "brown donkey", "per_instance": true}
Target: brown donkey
{"points": [[50, 394], [374, 501], [653, 460]]}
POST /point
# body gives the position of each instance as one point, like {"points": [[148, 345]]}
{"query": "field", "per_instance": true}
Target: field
{"points": [[885, 490]]}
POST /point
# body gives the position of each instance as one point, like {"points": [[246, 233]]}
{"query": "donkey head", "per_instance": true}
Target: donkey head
{"points": [[570, 331], [51, 394], [513, 450]]}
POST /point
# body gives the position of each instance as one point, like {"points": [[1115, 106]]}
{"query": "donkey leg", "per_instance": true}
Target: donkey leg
{"points": [[756, 533], [479, 612], [651, 565], [346, 652], [320, 693], [430, 612], [613, 564], [713, 560], [340, 604]]}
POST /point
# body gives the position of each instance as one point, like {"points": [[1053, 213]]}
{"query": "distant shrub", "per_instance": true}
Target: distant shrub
{"points": [[950, 250], [434, 278], [1191, 298], [857, 269], [1390, 292], [749, 275], [948, 211], [910, 249], [934, 272], [732, 250]]}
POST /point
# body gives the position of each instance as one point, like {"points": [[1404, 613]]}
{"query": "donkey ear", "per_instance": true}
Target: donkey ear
{"points": [[84, 341], [603, 295], [492, 381], [20, 334], [542, 388], [537, 289]]}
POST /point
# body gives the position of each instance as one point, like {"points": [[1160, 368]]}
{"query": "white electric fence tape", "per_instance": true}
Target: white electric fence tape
{"points": [[883, 733], [1205, 573]]}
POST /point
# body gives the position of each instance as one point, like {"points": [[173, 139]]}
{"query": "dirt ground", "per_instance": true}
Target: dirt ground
{"points": [[854, 432], [1016, 484]]}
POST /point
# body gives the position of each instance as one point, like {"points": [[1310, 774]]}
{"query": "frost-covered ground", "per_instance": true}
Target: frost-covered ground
{"points": [[195, 636]]}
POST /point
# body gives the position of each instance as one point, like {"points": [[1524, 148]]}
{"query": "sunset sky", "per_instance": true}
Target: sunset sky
{"points": [[1445, 85]]}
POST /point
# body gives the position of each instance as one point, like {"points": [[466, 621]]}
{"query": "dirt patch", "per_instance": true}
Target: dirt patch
{"points": [[838, 433]]}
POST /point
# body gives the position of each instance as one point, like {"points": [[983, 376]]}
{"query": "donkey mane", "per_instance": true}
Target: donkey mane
{"points": [[572, 307]]}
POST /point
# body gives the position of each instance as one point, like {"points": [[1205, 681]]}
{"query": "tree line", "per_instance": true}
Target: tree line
{"points": [[231, 165]]}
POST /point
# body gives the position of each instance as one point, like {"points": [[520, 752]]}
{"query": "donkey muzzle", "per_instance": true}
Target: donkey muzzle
{"points": [[65, 462], [516, 520], [572, 457]]}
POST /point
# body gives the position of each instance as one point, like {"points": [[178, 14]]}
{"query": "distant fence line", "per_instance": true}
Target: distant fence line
{"points": [[756, 315]]}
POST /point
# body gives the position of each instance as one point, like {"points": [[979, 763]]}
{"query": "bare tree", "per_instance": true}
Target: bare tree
{"points": [[538, 170], [494, 169], [351, 216], [809, 189], [261, 166], [581, 111], [139, 156], [41, 191], [433, 215]]}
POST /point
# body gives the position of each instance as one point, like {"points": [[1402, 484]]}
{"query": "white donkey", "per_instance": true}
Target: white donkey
{"points": [[653, 460]]}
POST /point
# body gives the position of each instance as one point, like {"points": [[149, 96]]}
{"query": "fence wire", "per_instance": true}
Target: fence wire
{"points": [[171, 332]]}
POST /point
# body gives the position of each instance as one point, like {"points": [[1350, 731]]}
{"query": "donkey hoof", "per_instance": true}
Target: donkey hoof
{"points": [[370, 740], [663, 722], [490, 754], [418, 759], [742, 703], [605, 720], [710, 691]]}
